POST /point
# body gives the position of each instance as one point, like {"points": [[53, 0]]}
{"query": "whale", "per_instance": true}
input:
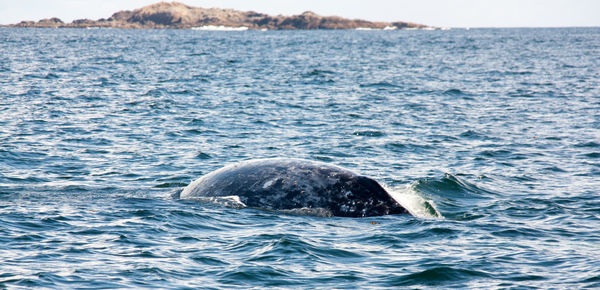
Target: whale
{"points": [[296, 186]]}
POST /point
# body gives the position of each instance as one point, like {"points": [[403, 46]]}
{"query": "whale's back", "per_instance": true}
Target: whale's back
{"points": [[292, 184]]}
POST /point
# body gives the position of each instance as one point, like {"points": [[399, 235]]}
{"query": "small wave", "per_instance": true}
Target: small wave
{"points": [[170, 185], [441, 275], [554, 169], [198, 53], [202, 155], [379, 85], [402, 147], [588, 144], [456, 198], [495, 153], [520, 73], [474, 135], [450, 186], [319, 72], [592, 155], [454, 92]]}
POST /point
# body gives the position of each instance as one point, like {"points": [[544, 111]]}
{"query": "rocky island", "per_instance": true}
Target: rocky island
{"points": [[180, 16]]}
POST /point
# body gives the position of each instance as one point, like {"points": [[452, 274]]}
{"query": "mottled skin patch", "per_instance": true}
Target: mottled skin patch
{"points": [[288, 184]]}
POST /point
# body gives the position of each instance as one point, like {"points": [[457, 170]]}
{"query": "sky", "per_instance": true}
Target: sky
{"points": [[441, 13]]}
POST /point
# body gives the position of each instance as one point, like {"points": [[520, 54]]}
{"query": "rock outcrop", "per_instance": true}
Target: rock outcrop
{"points": [[179, 15]]}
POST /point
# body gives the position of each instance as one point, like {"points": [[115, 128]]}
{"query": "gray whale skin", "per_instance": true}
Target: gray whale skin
{"points": [[295, 185]]}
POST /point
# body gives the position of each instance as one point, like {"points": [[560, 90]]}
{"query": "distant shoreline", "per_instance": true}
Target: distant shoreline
{"points": [[175, 15], [246, 29]]}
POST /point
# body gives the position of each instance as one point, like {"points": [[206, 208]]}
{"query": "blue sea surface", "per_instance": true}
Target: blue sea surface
{"points": [[491, 137]]}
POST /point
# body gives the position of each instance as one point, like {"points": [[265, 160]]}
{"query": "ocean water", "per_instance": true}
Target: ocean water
{"points": [[491, 137]]}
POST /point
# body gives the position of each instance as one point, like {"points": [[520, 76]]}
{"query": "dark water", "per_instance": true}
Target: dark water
{"points": [[496, 129]]}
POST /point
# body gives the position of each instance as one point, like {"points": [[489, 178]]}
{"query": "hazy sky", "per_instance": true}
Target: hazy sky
{"points": [[446, 13]]}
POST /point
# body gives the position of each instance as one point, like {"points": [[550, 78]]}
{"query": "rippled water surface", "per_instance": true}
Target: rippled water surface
{"points": [[496, 129]]}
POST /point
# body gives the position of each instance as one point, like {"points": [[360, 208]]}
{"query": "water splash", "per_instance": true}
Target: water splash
{"points": [[232, 201], [412, 201]]}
